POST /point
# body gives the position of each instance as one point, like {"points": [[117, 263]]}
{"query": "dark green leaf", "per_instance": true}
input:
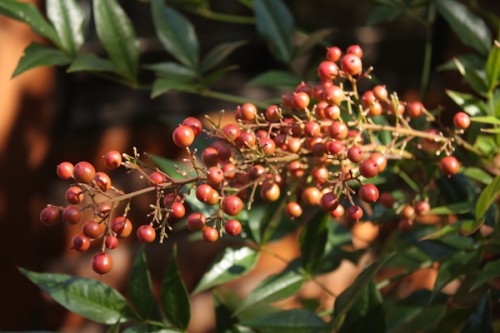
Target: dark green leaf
{"points": [[275, 24], [117, 36], [348, 297], [36, 55], [481, 319], [167, 70], [465, 61], [469, 103], [289, 321], [475, 78], [224, 319], [493, 66], [29, 13], [313, 240], [216, 75], [144, 328], [67, 18], [218, 54], [228, 266], [88, 298], [469, 28], [487, 197], [140, 287], [448, 229], [91, 63], [456, 208], [162, 86], [478, 175], [382, 14], [275, 79], [313, 39], [176, 33], [490, 271], [174, 296], [451, 268], [274, 288], [271, 219]]}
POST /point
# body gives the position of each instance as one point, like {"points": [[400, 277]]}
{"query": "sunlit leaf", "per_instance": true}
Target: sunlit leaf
{"points": [[37, 55], [67, 18]]}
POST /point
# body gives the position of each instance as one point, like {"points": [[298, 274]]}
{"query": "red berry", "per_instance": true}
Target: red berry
{"points": [[355, 213], [204, 192], [215, 175], [267, 145], [248, 112], [405, 225], [71, 215], [247, 139], [146, 233], [461, 120], [369, 193], [415, 109], [194, 124], [74, 195], [351, 64], [210, 234], [355, 154], [270, 191], [422, 207], [301, 100], [170, 198], [334, 147], [332, 112], [231, 132], [329, 201], [368, 168], [210, 156], [195, 221], [380, 160], [177, 210], [121, 226], [65, 170], [102, 181], [293, 209], [102, 263], [92, 229], [327, 70], [380, 92], [183, 136], [320, 174], [111, 242], [408, 212], [333, 95], [338, 212], [356, 50], [273, 113], [304, 87], [232, 205], [312, 128], [50, 216], [156, 178], [449, 166], [83, 172], [386, 200], [338, 130], [233, 227], [113, 159], [368, 98], [311, 196], [375, 109], [80, 243], [333, 54]]}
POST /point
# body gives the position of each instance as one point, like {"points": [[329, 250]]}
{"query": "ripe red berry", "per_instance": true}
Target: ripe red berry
{"points": [[247, 139], [111, 242], [273, 113], [92, 229], [65, 170], [461, 120], [449, 165], [210, 156], [233, 227], [422, 207], [301, 100], [327, 70], [369, 193], [408, 212], [405, 225], [146, 233], [293, 209], [177, 210], [338, 130], [351, 64], [333, 53], [270, 191], [102, 181], [156, 178], [334, 147], [232, 205], [183, 136], [368, 98], [195, 221], [368, 168], [320, 174], [71, 215], [312, 128], [356, 50], [210, 234], [50, 216], [102, 263], [415, 109], [333, 95], [194, 124], [113, 159], [355, 154], [121, 226], [74, 195], [267, 145], [355, 213], [215, 175], [170, 198], [83, 172], [311, 196], [386, 200], [329, 201], [380, 92], [380, 159], [231, 132], [80, 243], [375, 109], [338, 212], [204, 192]]}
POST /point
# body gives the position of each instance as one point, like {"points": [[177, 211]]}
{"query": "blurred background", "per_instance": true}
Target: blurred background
{"points": [[48, 116]]}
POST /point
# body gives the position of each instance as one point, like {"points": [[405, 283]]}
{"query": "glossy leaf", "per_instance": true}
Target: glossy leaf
{"points": [[474, 77], [140, 287], [490, 271], [275, 79], [88, 298], [275, 24], [91, 63], [486, 120], [478, 175], [176, 33], [218, 54], [493, 66], [168, 70], [465, 61], [162, 86], [37, 55], [456, 208], [469, 28], [67, 18], [289, 321], [274, 288], [447, 229], [469, 103], [452, 268], [117, 36], [29, 13], [348, 297], [481, 319], [229, 265], [313, 239], [487, 197], [271, 219], [174, 296]]}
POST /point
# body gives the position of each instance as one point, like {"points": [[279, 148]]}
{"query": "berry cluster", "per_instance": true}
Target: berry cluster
{"points": [[321, 148]]}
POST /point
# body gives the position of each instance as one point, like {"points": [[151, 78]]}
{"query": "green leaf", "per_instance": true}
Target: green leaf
{"points": [[475, 78], [487, 197], [486, 120], [274, 288], [36, 55], [451, 268], [275, 79], [29, 14], [218, 54], [490, 271], [88, 298], [311, 40], [289, 321], [313, 240], [275, 24], [170, 69], [469, 103], [348, 297], [67, 18], [145, 328], [140, 288], [228, 266], [382, 14], [465, 61], [447, 229], [168, 166], [117, 36], [176, 33], [223, 315], [174, 296], [493, 66], [271, 219], [469, 28], [456, 208], [478, 175], [481, 319], [162, 86], [91, 63]]}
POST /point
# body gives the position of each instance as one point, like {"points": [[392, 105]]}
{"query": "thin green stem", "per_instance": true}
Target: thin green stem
{"points": [[426, 70]]}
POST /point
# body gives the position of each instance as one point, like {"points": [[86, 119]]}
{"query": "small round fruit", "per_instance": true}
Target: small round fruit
{"points": [[170, 198], [92, 229], [415, 109], [301, 100], [351, 64], [121, 226], [355, 154], [248, 112], [380, 159], [177, 210], [102, 263], [270, 191], [65, 170], [215, 175], [422, 207], [232, 205], [338, 130], [369, 193], [183, 136], [71, 215], [233, 227], [338, 212], [380, 92], [210, 156], [449, 166], [74, 195], [273, 113], [156, 178], [311, 196], [80, 243], [368, 168], [328, 70], [102, 181], [405, 225], [146, 233], [111, 242], [356, 50], [196, 221], [113, 159], [210, 234], [355, 213], [333, 53], [461, 120], [267, 145], [293, 209], [83, 172], [408, 212], [329, 201], [194, 124], [50, 216], [387, 200], [204, 192], [231, 132]]}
